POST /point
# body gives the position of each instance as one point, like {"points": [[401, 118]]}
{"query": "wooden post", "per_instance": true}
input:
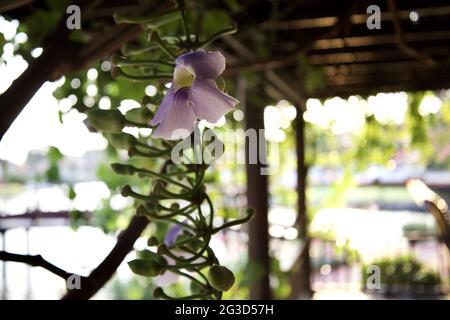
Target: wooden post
{"points": [[301, 272], [257, 198]]}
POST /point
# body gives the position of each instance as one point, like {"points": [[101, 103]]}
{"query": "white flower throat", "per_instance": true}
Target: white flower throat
{"points": [[182, 78]]}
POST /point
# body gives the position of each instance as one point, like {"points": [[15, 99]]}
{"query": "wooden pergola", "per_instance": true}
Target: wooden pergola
{"points": [[409, 52]]}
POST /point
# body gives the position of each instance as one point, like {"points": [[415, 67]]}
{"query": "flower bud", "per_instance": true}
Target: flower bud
{"points": [[172, 169], [141, 162], [115, 74], [221, 84], [162, 249], [121, 140], [141, 211], [123, 169], [147, 100], [152, 241], [106, 120], [115, 58], [148, 268], [126, 49], [158, 293], [126, 191], [250, 212], [158, 187], [221, 278], [141, 115], [118, 17], [149, 255], [133, 152], [154, 36]]}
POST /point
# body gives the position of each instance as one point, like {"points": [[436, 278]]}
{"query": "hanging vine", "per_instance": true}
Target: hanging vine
{"points": [[178, 195]]}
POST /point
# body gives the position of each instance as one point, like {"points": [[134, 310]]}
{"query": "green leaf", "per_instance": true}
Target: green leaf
{"points": [[141, 115], [148, 268], [72, 194], [106, 120], [54, 155], [52, 174]]}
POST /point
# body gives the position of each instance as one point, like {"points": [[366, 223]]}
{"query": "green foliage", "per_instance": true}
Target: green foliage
{"points": [[106, 120], [131, 289], [415, 122], [171, 196], [212, 21], [314, 77], [39, 25], [54, 155], [282, 281], [52, 174], [251, 273], [78, 218], [376, 143], [419, 230], [402, 270]]}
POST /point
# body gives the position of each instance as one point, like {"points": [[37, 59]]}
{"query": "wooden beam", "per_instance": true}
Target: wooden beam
{"points": [[367, 41], [400, 39], [369, 88], [358, 18], [383, 79], [381, 69], [374, 56], [313, 9], [290, 93], [7, 5]]}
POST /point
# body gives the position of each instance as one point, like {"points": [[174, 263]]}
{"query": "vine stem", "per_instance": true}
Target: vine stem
{"points": [[104, 271]]}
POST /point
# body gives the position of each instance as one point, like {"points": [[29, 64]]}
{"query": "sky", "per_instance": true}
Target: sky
{"points": [[38, 126]]}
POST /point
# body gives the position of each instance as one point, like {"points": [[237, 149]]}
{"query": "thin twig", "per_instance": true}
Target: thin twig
{"points": [[8, 5], [35, 261]]}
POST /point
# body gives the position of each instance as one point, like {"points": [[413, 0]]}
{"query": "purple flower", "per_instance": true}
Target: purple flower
{"points": [[172, 234], [193, 95]]}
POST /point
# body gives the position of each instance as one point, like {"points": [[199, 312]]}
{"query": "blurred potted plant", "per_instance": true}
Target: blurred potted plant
{"points": [[402, 276]]}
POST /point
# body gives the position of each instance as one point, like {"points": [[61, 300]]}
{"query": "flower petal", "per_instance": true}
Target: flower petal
{"points": [[209, 102], [172, 234], [179, 119], [203, 65], [165, 105]]}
